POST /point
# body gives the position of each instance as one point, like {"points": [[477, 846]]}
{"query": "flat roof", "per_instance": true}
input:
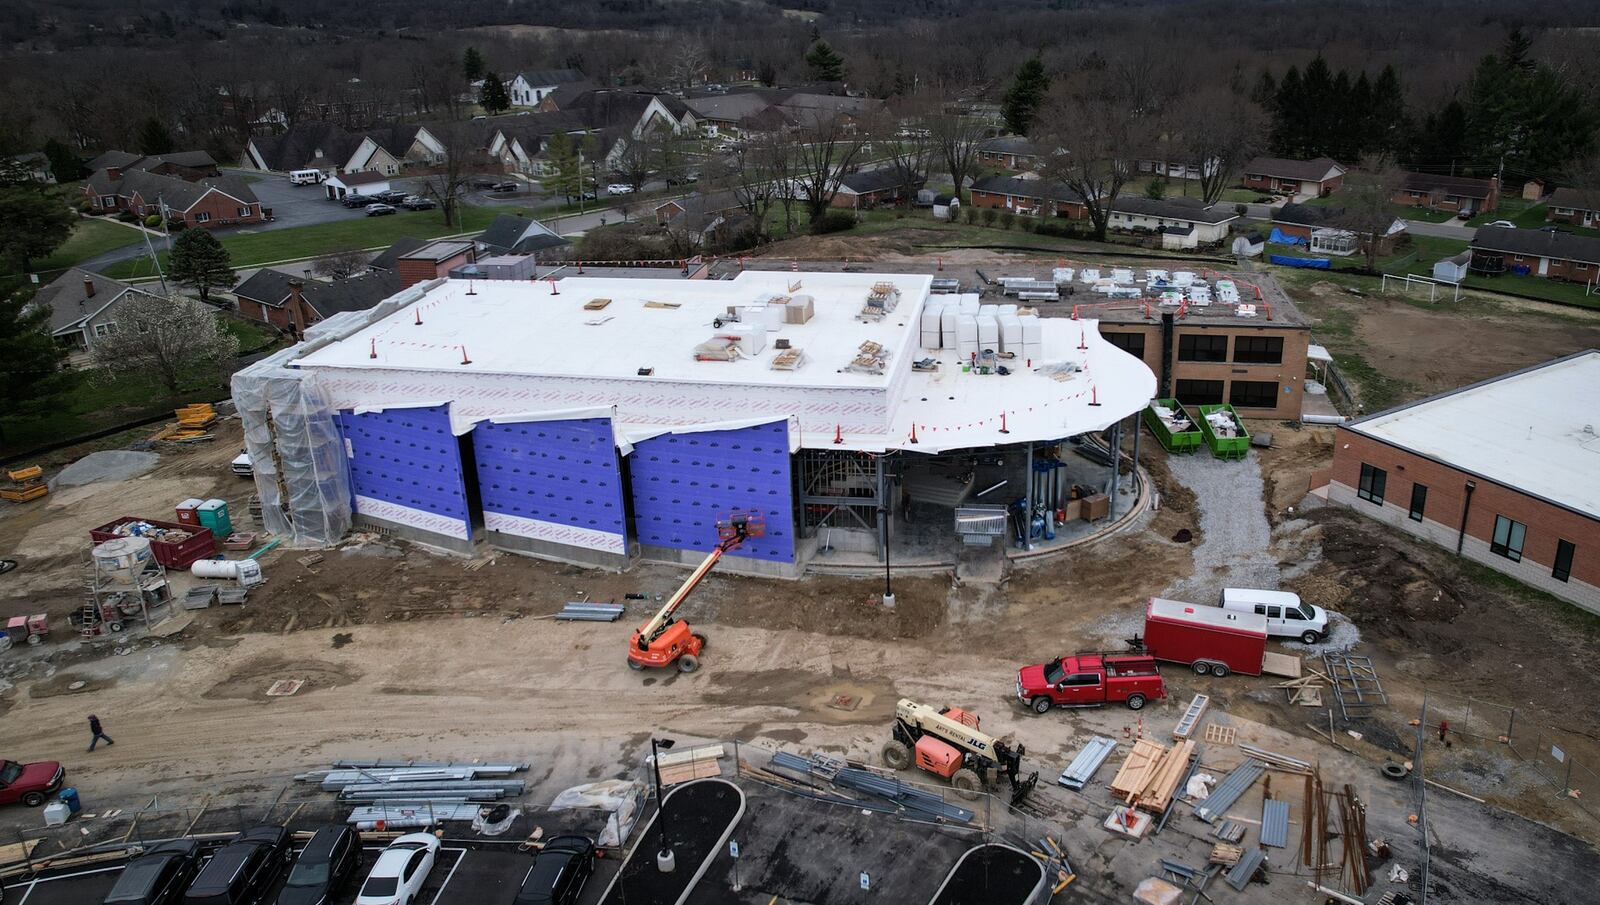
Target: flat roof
{"points": [[1533, 430], [442, 250]]}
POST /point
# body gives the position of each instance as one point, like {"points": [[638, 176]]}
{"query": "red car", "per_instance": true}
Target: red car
{"points": [[1089, 680], [30, 784]]}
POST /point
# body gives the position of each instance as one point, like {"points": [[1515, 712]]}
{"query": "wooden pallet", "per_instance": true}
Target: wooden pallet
{"points": [[1220, 735], [1131, 778]]}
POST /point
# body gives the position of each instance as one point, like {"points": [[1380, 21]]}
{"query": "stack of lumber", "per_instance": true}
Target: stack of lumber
{"points": [[1305, 691], [696, 763], [196, 416], [1149, 777]]}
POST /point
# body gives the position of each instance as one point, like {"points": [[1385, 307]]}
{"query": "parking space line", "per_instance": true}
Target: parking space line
{"points": [[460, 857], [82, 873]]}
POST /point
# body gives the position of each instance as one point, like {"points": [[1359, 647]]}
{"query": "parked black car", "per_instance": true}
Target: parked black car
{"points": [[325, 865], [243, 871], [358, 200], [380, 210], [159, 876], [418, 203], [558, 873], [391, 197]]}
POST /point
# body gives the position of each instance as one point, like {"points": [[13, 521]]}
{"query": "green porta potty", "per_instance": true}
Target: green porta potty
{"points": [[214, 515], [1221, 445], [1173, 441]]}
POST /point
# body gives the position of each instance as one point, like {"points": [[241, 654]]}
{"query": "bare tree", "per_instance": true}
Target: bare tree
{"points": [[1221, 130], [957, 136], [826, 147], [902, 134], [341, 264], [1090, 132], [1368, 199], [178, 341], [687, 63], [448, 180], [758, 175]]}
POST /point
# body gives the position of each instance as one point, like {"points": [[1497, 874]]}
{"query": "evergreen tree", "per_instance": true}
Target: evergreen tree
{"points": [[825, 62], [492, 97], [472, 64], [562, 153], [154, 138], [1516, 52], [66, 165], [1441, 144], [1387, 117], [32, 225], [1288, 115], [199, 260], [32, 372], [1265, 91], [1026, 94]]}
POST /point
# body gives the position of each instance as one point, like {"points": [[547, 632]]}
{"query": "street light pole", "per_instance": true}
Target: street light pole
{"points": [[666, 861]]}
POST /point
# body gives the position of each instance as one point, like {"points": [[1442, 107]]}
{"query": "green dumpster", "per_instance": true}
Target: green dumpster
{"points": [[1179, 441], [1221, 446]]}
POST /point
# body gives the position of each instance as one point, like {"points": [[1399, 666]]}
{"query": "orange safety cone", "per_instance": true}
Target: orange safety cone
{"points": [[838, 434]]}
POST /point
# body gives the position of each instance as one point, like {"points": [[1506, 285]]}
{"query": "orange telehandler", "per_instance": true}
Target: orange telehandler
{"points": [[664, 640]]}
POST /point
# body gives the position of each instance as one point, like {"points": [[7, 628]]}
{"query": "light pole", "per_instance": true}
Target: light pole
{"points": [[665, 860], [888, 587]]}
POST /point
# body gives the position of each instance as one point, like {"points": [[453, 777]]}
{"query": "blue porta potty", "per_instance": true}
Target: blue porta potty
{"points": [[69, 797]]}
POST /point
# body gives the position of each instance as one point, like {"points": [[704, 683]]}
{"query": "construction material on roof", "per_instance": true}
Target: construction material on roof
{"points": [[1087, 762], [1191, 716], [1229, 790]]}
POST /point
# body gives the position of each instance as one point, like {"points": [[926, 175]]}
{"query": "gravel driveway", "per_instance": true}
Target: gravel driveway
{"points": [[1236, 549]]}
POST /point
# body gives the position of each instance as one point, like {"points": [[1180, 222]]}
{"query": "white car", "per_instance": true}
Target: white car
{"points": [[242, 466], [1505, 223], [401, 870], [619, 188]]}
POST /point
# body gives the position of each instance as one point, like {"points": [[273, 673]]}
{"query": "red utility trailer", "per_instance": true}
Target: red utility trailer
{"points": [[198, 543], [1208, 639]]}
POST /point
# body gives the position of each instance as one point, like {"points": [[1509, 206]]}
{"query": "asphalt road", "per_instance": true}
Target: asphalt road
{"points": [[1450, 230]]}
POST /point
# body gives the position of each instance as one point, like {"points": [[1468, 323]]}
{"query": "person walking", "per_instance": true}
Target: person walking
{"points": [[97, 733]]}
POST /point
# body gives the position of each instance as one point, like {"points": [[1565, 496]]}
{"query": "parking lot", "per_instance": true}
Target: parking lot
{"points": [[474, 874]]}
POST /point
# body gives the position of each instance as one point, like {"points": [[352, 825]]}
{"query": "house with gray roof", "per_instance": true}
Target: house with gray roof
{"points": [[510, 234], [1008, 152], [83, 307], [1550, 253], [293, 303], [528, 89], [1181, 222], [1282, 175], [208, 203], [1575, 206], [871, 188]]}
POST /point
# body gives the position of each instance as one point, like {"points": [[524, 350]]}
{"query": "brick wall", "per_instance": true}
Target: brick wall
{"points": [[223, 211], [1289, 373], [1547, 524]]}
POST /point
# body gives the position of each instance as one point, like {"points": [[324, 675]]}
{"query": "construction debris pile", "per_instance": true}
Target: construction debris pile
{"points": [[402, 794], [140, 528], [828, 778]]}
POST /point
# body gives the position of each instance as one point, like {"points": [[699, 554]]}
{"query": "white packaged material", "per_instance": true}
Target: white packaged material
{"points": [[970, 303], [1010, 333], [988, 331], [1089, 275], [1032, 329], [932, 340], [1007, 309], [1122, 274], [1183, 278], [988, 310], [1061, 274]]}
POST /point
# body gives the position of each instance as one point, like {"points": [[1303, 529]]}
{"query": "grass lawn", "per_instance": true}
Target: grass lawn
{"points": [[95, 405], [89, 237], [251, 336], [251, 249], [1536, 288]]}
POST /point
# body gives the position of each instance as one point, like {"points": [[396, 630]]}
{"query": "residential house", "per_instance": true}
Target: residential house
{"points": [[528, 89], [1578, 207], [190, 165], [1536, 252], [562, 98], [707, 219], [389, 258], [1028, 196], [519, 143], [1318, 229], [872, 188], [83, 308], [1318, 177], [306, 146], [223, 201], [1183, 223], [509, 234], [1008, 152], [1449, 193], [1167, 161], [735, 115], [366, 182], [434, 260], [37, 166], [292, 303]]}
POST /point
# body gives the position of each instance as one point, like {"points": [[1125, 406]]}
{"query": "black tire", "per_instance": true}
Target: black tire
{"points": [[1135, 702], [1392, 770], [688, 663], [114, 626], [1201, 668], [1310, 637], [1041, 704], [33, 799], [1219, 669], [895, 754], [967, 783], [635, 665]]}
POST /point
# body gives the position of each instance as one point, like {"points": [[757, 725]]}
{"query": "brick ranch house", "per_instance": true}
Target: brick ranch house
{"points": [[1535, 252], [208, 203], [1318, 177], [291, 303], [1577, 207], [1028, 196], [872, 188], [1449, 193], [1501, 471], [1008, 152]]}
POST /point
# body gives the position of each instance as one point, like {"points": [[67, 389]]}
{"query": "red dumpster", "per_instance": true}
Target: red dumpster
{"points": [[198, 544]]}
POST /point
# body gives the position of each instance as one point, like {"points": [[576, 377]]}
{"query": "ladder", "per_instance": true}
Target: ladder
{"points": [[1191, 717], [88, 621]]}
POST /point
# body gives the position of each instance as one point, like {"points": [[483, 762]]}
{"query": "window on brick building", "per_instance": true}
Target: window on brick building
{"points": [[1131, 343], [202, 217], [1200, 392], [1260, 350], [1256, 394], [1508, 538], [1200, 347], [1373, 481], [1562, 570], [1419, 501]]}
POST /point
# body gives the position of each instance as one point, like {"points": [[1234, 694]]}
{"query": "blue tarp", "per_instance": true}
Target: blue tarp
{"points": [[1313, 263], [1278, 238]]}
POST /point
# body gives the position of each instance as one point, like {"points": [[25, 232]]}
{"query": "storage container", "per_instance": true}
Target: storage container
{"points": [[1236, 447], [173, 554], [214, 515], [1179, 442]]}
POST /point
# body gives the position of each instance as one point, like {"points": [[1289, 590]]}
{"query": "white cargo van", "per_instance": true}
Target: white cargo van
{"points": [[1287, 616], [305, 177]]}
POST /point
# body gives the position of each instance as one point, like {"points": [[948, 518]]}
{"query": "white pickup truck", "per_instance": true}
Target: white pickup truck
{"points": [[241, 465]]}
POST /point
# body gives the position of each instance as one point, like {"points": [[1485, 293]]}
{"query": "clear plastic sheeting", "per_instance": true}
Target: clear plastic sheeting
{"points": [[296, 452]]}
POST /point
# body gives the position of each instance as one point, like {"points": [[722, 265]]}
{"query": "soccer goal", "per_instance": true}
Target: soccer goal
{"points": [[1411, 283]]}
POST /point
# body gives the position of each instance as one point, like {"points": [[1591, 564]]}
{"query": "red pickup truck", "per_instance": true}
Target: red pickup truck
{"points": [[30, 784], [1089, 680]]}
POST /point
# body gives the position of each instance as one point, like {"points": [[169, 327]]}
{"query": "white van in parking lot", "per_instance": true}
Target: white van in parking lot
{"points": [[305, 177], [1287, 616]]}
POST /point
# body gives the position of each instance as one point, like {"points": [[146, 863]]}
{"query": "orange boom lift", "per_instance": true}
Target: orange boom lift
{"points": [[664, 640]]}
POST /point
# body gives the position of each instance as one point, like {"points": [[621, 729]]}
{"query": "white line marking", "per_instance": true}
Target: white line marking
{"points": [[82, 873], [442, 886]]}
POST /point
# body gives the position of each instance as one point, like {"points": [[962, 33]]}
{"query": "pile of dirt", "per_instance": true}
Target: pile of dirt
{"points": [[1388, 585], [1286, 468], [829, 604]]}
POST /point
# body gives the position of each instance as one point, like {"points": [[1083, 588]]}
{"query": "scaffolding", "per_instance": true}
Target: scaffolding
{"points": [[125, 582]]}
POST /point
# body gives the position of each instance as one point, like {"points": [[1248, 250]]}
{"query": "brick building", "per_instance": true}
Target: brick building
{"points": [[1579, 207], [1535, 252], [1318, 177], [291, 303], [208, 203], [1205, 357], [1028, 196], [1449, 193], [434, 260], [1008, 152], [1505, 472]]}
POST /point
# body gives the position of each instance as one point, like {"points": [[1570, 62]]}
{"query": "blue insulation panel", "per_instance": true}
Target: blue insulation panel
{"points": [[555, 481], [682, 482], [405, 467]]}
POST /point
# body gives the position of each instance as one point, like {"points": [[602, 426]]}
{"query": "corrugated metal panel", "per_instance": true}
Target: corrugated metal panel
{"points": [[1275, 823], [882, 786], [1228, 791], [1087, 763], [1246, 868]]}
